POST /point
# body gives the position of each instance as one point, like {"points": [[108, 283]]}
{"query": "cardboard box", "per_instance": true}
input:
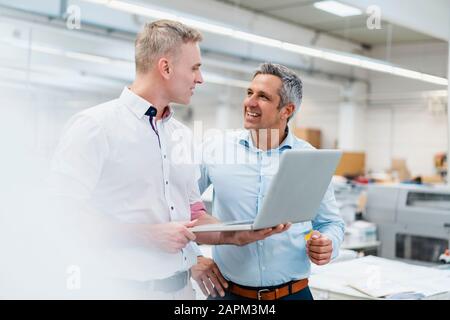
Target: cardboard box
{"points": [[313, 136], [352, 164], [399, 169], [435, 179]]}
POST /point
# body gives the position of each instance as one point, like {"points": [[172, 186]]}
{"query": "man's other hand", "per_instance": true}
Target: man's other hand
{"points": [[319, 248], [209, 277]]}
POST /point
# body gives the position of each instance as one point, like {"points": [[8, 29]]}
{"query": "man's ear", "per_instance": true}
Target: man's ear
{"points": [[287, 111], [164, 68]]}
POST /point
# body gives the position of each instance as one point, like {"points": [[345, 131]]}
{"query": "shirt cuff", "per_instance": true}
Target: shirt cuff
{"points": [[197, 250]]}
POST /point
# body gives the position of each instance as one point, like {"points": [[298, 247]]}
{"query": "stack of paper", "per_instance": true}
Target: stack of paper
{"points": [[381, 289], [375, 277]]}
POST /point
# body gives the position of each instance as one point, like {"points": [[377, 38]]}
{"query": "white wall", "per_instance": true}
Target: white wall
{"points": [[321, 115], [409, 132], [398, 121]]}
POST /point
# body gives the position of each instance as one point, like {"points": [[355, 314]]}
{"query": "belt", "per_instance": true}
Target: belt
{"points": [[171, 284], [266, 293]]}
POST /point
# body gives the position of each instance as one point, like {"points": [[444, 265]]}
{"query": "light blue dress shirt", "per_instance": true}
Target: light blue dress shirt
{"points": [[241, 175]]}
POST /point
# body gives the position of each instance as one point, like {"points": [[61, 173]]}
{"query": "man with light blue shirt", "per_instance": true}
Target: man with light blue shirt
{"points": [[277, 267]]}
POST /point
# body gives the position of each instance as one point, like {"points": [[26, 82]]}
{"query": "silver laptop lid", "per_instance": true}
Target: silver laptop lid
{"points": [[298, 187]]}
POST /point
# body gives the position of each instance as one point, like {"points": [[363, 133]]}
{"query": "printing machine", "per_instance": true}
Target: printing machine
{"points": [[413, 221]]}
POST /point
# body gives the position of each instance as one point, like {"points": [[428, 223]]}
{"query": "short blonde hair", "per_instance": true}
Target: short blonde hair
{"points": [[159, 38]]}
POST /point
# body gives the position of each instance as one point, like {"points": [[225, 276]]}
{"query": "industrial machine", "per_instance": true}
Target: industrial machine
{"points": [[413, 221]]}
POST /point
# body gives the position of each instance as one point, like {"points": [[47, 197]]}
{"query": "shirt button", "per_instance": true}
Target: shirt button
{"points": [[260, 243], [263, 268], [171, 208], [167, 182], [165, 156]]}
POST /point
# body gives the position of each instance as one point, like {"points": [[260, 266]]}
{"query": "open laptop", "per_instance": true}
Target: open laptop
{"points": [[294, 194]]}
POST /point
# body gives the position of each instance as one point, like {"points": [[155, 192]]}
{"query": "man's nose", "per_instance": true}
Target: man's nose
{"points": [[250, 101], [199, 79]]}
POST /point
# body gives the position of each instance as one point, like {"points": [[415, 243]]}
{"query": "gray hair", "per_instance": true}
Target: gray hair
{"points": [[291, 90], [159, 38]]}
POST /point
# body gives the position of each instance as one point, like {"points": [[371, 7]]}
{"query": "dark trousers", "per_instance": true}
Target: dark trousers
{"points": [[304, 294]]}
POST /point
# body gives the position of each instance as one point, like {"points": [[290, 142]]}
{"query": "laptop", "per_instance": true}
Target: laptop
{"points": [[294, 194]]}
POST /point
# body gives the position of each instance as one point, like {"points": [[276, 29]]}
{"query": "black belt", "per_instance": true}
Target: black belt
{"points": [[171, 284]]}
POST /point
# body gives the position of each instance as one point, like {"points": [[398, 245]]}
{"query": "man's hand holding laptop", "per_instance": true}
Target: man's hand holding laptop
{"points": [[234, 237], [242, 238]]}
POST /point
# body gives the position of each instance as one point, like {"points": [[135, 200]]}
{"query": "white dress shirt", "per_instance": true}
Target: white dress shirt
{"points": [[110, 158]]}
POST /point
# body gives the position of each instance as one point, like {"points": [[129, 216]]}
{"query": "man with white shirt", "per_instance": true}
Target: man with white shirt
{"points": [[115, 165]]}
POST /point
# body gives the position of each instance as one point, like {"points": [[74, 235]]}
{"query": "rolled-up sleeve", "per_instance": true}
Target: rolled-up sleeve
{"points": [[196, 204], [329, 222]]}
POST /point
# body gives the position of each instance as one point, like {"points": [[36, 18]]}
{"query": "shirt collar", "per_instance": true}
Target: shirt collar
{"points": [[139, 106], [288, 142], [245, 140]]}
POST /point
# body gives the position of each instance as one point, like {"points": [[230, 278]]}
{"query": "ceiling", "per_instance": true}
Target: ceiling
{"points": [[303, 13]]}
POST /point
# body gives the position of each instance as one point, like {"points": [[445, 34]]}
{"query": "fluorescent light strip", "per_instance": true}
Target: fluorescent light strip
{"points": [[316, 53], [376, 66], [337, 8], [434, 79], [342, 58], [42, 49], [140, 10], [88, 57], [217, 79], [407, 73], [257, 39], [207, 26], [347, 59], [69, 54]]}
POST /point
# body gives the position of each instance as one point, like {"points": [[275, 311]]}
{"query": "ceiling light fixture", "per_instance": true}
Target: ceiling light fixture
{"points": [[337, 8]]}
